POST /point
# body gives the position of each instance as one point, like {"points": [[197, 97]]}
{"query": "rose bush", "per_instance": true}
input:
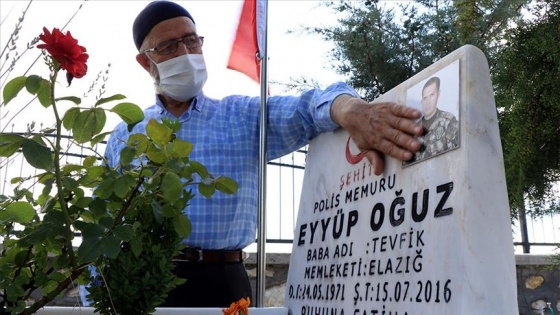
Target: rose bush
{"points": [[123, 214]]}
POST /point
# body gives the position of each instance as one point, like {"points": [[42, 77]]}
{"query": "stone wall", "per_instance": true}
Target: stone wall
{"points": [[538, 282]]}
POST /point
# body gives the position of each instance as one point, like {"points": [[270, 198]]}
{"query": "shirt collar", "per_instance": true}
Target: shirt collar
{"points": [[196, 104]]}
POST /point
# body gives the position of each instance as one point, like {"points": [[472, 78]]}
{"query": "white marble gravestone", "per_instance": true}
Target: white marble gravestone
{"points": [[428, 237]]}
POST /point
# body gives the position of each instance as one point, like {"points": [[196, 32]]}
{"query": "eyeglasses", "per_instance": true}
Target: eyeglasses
{"points": [[191, 41]]}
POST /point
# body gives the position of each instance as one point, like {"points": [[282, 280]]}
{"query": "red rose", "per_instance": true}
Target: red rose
{"points": [[65, 49]]}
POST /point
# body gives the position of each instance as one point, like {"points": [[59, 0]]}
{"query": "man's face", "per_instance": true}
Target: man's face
{"points": [[430, 96], [165, 31], [170, 30]]}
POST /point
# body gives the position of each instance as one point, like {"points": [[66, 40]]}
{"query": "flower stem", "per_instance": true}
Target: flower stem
{"points": [[58, 175]]}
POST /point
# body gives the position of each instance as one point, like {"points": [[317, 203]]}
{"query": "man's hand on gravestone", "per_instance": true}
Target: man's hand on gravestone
{"points": [[379, 128]]}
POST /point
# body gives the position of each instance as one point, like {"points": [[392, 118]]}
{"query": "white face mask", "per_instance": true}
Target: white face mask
{"points": [[182, 77]]}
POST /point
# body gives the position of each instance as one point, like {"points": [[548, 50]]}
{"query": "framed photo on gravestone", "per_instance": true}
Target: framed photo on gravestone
{"points": [[429, 236], [437, 97]]}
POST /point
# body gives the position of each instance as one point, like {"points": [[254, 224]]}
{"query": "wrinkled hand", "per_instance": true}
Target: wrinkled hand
{"points": [[379, 128]]}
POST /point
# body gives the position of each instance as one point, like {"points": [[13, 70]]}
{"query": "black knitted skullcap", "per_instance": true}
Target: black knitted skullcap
{"points": [[153, 13]]}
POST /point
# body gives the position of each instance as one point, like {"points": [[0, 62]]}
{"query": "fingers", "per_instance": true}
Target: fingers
{"points": [[407, 125], [376, 159], [404, 111], [389, 134], [405, 140], [397, 151], [400, 131], [404, 119], [387, 128], [383, 128]]}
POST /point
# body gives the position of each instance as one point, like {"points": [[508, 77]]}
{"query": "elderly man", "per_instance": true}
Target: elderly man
{"points": [[225, 134]]}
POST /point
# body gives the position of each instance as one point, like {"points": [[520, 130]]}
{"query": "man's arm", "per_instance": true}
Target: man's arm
{"points": [[377, 129]]}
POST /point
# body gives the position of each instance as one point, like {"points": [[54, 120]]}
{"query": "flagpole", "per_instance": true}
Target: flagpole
{"points": [[263, 160]]}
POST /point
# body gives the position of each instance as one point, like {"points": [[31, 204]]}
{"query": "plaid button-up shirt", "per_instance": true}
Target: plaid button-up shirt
{"points": [[225, 135]]}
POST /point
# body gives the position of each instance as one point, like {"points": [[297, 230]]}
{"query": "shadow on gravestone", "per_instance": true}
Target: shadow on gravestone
{"points": [[429, 236]]}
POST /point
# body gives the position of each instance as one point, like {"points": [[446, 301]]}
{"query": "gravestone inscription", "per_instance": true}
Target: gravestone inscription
{"points": [[429, 236]]}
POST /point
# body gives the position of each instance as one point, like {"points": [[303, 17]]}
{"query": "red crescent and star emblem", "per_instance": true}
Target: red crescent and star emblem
{"points": [[353, 158]]}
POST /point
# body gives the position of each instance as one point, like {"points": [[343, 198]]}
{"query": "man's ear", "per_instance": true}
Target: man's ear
{"points": [[143, 61]]}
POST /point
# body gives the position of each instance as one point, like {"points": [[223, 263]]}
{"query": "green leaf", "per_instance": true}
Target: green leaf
{"points": [[49, 130], [180, 148], [9, 144], [90, 249], [172, 123], [78, 191], [58, 276], [70, 118], [84, 126], [159, 133], [182, 225], [199, 169], [87, 216], [9, 255], [46, 231], [147, 172], [98, 207], [124, 232], [94, 173], [61, 261], [19, 211], [121, 188], [100, 137], [155, 155], [22, 257], [40, 87], [130, 180], [89, 161], [88, 123], [105, 189], [33, 84], [175, 165], [46, 178], [105, 222], [136, 246], [69, 183], [226, 185], [16, 180], [171, 187], [127, 155], [47, 202], [130, 113], [101, 119], [111, 246], [168, 211], [12, 88], [90, 230], [139, 141], [44, 97], [115, 97], [68, 168], [83, 202], [37, 154], [73, 99], [206, 190]]}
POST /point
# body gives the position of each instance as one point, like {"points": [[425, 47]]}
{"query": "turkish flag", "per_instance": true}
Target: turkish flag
{"points": [[249, 39]]}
